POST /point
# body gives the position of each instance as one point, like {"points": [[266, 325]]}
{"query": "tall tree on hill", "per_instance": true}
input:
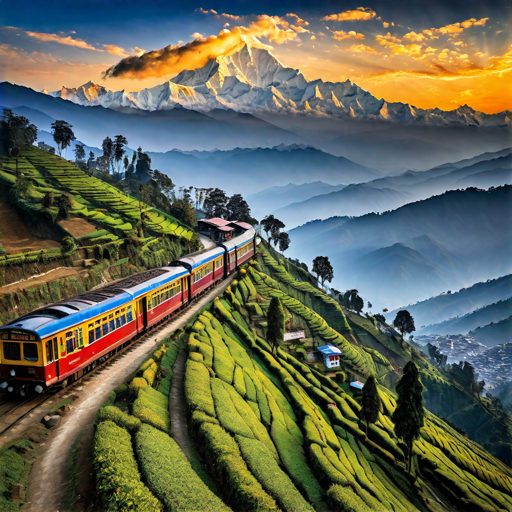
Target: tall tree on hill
{"points": [[275, 231], [215, 203], [17, 131], [120, 142], [63, 135], [238, 209], [275, 324], [272, 227], [143, 166], [409, 414], [284, 241], [108, 151], [352, 300], [370, 402], [323, 269], [79, 153], [404, 322], [183, 210]]}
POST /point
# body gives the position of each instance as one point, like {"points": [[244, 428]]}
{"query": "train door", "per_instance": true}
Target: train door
{"points": [[142, 309]]}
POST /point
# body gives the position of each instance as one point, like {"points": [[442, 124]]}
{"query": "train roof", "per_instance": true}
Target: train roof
{"points": [[196, 260], [62, 315], [239, 240]]}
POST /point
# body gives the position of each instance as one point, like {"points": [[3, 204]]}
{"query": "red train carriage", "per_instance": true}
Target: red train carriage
{"points": [[240, 249], [206, 268]]}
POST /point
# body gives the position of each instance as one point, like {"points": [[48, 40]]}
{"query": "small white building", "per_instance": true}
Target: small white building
{"points": [[331, 355]]}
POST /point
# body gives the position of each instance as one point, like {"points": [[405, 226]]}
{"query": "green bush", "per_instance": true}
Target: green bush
{"points": [[266, 469], [197, 387], [151, 407], [239, 484], [117, 475], [170, 475], [113, 413]]}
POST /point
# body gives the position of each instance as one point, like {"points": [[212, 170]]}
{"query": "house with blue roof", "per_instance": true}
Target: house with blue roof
{"points": [[331, 356]]}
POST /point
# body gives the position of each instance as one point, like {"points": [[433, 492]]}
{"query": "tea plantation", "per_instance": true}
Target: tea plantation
{"points": [[274, 432]]}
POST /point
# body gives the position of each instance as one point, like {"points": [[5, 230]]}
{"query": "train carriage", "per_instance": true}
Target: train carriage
{"points": [[240, 249], [206, 268]]}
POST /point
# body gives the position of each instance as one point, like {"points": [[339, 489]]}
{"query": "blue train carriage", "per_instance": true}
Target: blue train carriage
{"points": [[240, 249]]}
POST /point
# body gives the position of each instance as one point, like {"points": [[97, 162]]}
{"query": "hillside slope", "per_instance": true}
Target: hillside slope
{"points": [[65, 223], [277, 433]]}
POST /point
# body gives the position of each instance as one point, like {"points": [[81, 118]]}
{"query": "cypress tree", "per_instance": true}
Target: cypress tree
{"points": [[409, 413], [370, 402], [275, 324]]}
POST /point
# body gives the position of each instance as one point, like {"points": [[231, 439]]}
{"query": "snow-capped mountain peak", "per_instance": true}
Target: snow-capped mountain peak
{"points": [[251, 79]]}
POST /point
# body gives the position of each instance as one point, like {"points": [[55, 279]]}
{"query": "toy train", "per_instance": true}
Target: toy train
{"points": [[61, 342]]}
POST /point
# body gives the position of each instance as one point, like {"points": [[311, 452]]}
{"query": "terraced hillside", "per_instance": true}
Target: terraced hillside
{"points": [[100, 222], [275, 432]]}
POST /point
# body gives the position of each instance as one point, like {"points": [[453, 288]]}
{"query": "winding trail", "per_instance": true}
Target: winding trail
{"points": [[49, 479]]}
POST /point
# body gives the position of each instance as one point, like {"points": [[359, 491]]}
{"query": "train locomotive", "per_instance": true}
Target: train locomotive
{"points": [[59, 343]]}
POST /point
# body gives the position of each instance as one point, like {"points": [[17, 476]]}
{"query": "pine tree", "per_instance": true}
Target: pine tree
{"points": [[409, 413], [370, 402], [275, 324]]}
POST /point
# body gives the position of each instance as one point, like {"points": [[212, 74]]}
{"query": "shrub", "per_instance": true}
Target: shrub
{"points": [[197, 387], [239, 484], [170, 475], [266, 469], [117, 474], [151, 407], [113, 413], [136, 384], [150, 373]]}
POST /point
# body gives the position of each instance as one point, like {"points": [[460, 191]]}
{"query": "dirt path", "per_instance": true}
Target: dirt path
{"points": [[51, 275], [178, 408], [50, 477]]}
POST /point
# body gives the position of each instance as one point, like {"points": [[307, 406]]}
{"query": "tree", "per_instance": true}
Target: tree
{"points": [[370, 402], [184, 211], [17, 131], [62, 135], [275, 324], [108, 151], [64, 205], [409, 413], [379, 318], [165, 183], [284, 241], [126, 163], [272, 227], [120, 142], [143, 166], [215, 203], [323, 269], [79, 153], [267, 224], [404, 322], [238, 209]]}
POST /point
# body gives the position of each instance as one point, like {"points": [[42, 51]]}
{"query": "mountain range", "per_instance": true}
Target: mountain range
{"points": [[252, 80], [390, 192], [417, 250]]}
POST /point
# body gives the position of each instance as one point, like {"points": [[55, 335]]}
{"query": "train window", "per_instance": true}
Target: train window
{"points": [[70, 342], [218, 263], [12, 351], [62, 347], [105, 329], [123, 319], [97, 333], [129, 315], [79, 337], [112, 325], [49, 351], [91, 335], [30, 351], [118, 322], [55, 349]]}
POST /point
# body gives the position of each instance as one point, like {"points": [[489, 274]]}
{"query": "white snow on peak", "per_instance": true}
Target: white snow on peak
{"points": [[251, 80]]}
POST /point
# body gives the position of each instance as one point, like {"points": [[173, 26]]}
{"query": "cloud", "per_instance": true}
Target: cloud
{"points": [[175, 58], [297, 19], [213, 12], [341, 35], [359, 14], [362, 48], [113, 49], [60, 39]]}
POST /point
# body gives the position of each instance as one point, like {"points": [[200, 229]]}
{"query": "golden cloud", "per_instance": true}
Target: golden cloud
{"points": [[213, 12], [359, 14], [175, 58], [362, 48], [59, 39], [341, 35], [297, 19]]}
